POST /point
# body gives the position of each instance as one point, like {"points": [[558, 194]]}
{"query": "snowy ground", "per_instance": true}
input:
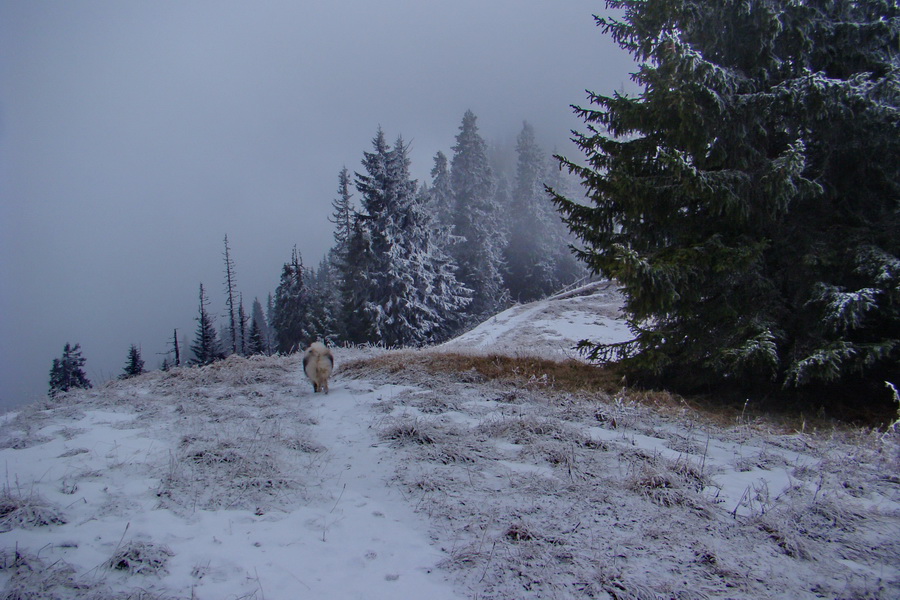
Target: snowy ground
{"points": [[235, 481], [550, 327]]}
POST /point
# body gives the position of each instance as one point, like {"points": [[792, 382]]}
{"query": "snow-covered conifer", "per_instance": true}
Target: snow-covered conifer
{"points": [[291, 318], [342, 216], [530, 251], [324, 300], [480, 258], [441, 192], [408, 293], [748, 198]]}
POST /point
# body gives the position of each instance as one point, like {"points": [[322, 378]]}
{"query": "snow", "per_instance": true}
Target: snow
{"points": [[236, 481], [592, 312]]}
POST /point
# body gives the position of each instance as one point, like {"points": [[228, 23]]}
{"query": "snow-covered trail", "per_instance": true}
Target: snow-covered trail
{"points": [[369, 543], [111, 477]]}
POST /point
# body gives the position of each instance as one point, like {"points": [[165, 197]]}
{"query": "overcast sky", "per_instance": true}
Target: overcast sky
{"points": [[135, 135]]}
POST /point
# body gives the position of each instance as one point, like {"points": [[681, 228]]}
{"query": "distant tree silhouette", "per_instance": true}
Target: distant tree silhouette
{"points": [[67, 373], [206, 347], [230, 300], [135, 364]]}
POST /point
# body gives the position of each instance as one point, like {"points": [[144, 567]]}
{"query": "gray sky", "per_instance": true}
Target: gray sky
{"points": [[135, 135]]}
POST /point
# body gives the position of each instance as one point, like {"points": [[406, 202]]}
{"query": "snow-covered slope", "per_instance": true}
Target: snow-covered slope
{"points": [[236, 481], [551, 327]]}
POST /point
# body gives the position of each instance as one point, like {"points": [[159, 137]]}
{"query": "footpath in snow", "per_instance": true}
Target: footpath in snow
{"points": [[225, 484]]}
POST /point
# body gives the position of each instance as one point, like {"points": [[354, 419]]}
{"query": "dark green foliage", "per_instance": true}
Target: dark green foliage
{"points": [[325, 300], [290, 317], [206, 347], [258, 340], [243, 327], [342, 214], [255, 344], [135, 364], [67, 373], [354, 278], [747, 198]]}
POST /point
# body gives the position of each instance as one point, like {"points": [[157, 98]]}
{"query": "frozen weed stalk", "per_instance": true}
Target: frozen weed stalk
{"points": [[893, 426]]}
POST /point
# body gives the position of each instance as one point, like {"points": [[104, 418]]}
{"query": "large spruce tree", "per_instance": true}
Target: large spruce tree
{"points": [[747, 197], [342, 218], [440, 195], [409, 294], [291, 312], [475, 218], [530, 251]]}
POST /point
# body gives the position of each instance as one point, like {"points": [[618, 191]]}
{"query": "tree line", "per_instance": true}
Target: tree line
{"points": [[411, 263]]}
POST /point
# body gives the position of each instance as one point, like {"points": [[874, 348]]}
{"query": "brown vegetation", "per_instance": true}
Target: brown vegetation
{"points": [[609, 381]]}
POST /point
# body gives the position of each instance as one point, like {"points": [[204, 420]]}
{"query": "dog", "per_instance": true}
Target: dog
{"points": [[318, 362]]}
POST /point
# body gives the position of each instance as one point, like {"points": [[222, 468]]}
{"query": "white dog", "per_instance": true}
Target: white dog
{"points": [[318, 363]]}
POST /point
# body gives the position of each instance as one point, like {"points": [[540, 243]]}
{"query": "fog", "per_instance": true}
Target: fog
{"points": [[135, 135]]}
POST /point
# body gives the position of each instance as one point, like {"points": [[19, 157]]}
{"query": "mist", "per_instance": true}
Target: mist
{"points": [[135, 136]]}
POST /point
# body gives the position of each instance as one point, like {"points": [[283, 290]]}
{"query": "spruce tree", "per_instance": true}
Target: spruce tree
{"points": [[255, 342], [747, 198], [334, 267], [475, 219], [270, 318], [206, 346], [567, 268], [134, 365], [325, 300], [290, 315], [410, 295], [530, 253], [356, 277], [342, 215], [67, 373], [258, 342], [441, 201], [242, 327]]}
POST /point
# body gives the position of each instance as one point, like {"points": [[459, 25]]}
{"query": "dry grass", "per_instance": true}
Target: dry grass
{"points": [[561, 379], [604, 382], [528, 371], [140, 558], [27, 511]]}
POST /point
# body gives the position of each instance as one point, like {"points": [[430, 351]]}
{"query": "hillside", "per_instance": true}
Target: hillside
{"points": [[412, 481]]}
